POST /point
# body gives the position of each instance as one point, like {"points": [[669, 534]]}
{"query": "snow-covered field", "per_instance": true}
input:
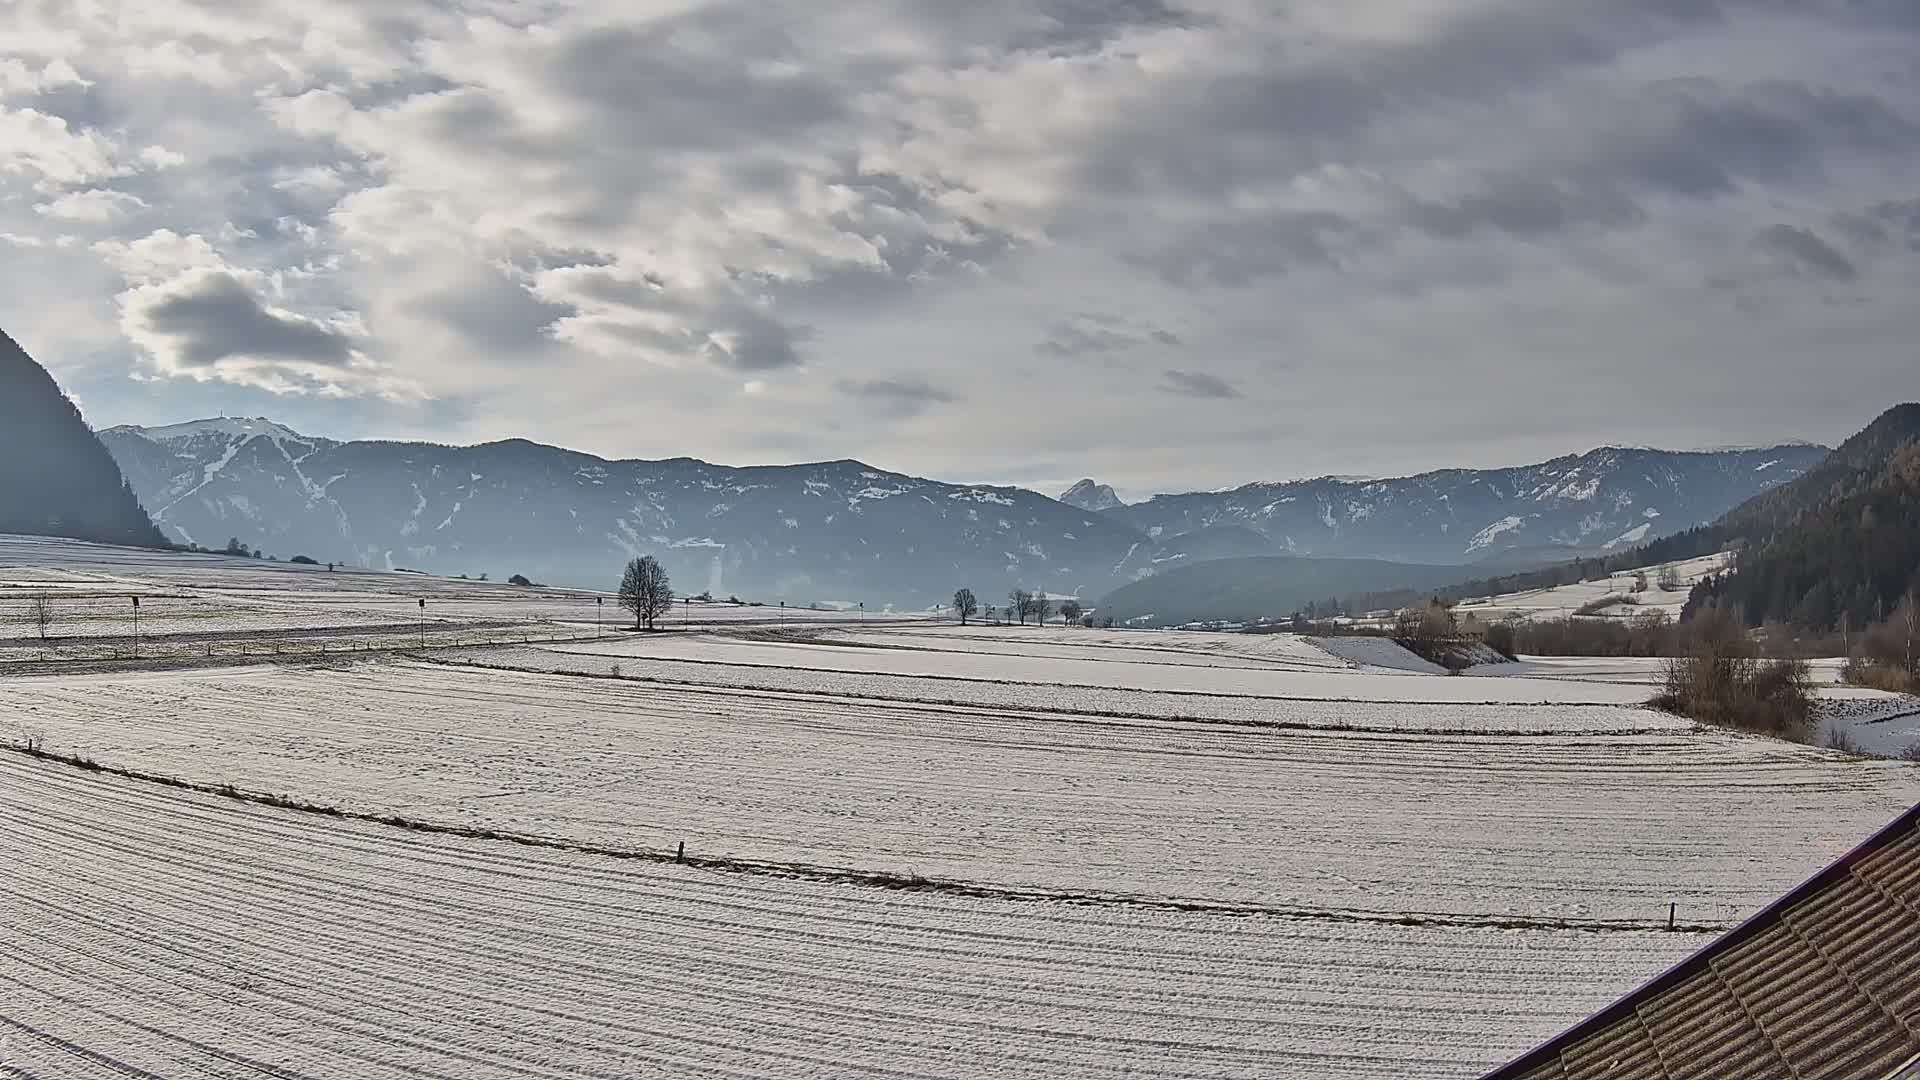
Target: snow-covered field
{"points": [[1248, 709], [1140, 853], [1572, 826], [153, 932], [1320, 678], [215, 605], [1565, 600]]}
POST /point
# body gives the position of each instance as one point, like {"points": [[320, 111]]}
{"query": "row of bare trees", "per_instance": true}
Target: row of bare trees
{"points": [[1021, 604], [1888, 654]]}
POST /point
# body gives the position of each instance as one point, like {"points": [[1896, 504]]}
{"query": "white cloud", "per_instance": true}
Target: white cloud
{"points": [[93, 206], [1211, 234]]}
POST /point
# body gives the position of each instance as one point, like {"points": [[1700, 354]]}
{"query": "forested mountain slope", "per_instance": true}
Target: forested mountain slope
{"points": [[56, 479]]}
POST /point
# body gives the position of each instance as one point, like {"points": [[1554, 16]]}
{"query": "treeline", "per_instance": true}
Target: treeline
{"points": [[1846, 565]]}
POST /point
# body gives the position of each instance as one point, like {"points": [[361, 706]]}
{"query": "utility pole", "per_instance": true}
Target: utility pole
{"points": [[136, 628], [599, 611], [423, 622], [686, 611]]}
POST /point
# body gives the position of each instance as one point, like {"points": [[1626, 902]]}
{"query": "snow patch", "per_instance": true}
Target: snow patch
{"points": [[1485, 537]]}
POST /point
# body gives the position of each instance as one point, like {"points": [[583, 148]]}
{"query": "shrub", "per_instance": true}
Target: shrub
{"points": [[1719, 679], [1860, 671], [303, 560], [519, 579], [1595, 607]]}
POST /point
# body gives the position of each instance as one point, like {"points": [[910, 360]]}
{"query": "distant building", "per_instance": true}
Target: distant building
{"points": [[1822, 985]]}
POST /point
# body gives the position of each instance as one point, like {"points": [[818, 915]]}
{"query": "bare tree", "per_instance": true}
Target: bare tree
{"points": [[1070, 611], [965, 605], [1911, 619], [1669, 579], [1020, 605], [1042, 607], [646, 591], [40, 611]]}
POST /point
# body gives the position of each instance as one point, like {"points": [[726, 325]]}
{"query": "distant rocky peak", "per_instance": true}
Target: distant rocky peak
{"points": [[231, 427], [1091, 497]]}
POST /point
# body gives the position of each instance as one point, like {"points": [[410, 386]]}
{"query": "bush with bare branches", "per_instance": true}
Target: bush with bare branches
{"points": [[1719, 678]]}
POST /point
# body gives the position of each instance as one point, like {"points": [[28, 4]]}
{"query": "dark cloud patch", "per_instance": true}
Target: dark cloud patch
{"points": [[1525, 206], [1055, 27], [212, 316], [747, 340], [1090, 334], [1806, 252], [1895, 221], [1237, 255], [1707, 140], [684, 81], [898, 397], [643, 311], [1494, 48], [491, 310], [1198, 384]]}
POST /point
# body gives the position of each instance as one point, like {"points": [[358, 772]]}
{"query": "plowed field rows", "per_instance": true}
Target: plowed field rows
{"points": [[154, 932], [1543, 827]]}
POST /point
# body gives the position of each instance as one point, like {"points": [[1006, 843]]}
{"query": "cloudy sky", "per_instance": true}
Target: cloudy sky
{"points": [[1165, 243]]}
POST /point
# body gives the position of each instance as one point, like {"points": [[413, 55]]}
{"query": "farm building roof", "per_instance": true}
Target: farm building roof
{"points": [[1824, 983]]}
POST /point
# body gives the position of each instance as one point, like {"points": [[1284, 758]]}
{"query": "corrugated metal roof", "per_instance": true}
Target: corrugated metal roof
{"points": [[1822, 985]]}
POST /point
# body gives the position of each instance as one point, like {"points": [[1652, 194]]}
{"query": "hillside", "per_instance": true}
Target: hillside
{"points": [[830, 531], [1846, 551], [1600, 502], [55, 477], [1262, 587]]}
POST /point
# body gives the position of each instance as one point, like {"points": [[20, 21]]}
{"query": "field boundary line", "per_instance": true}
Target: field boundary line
{"points": [[1097, 714], [1107, 689]]}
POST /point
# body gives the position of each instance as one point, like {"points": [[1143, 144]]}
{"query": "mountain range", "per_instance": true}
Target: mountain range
{"points": [[843, 531]]}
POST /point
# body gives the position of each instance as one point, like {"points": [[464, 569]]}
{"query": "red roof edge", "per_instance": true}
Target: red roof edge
{"points": [[1549, 1050]]}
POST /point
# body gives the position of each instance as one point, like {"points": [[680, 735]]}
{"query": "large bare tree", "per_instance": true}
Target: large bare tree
{"points": [[1020, 604], [646, 591], [965, 605]]}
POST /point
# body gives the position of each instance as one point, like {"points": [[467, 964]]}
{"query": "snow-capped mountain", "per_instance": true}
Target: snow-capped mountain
{"points": [[841, 530], [1087, 495], [830, 531], [1603, 500]]}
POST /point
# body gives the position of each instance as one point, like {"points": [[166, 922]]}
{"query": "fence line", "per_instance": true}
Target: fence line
{"points": [[247, 648]]}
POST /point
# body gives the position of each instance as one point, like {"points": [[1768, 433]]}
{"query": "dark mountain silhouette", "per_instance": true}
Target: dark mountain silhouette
{"points": [[56, 479], [1259, 588], [1841, 545]]}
